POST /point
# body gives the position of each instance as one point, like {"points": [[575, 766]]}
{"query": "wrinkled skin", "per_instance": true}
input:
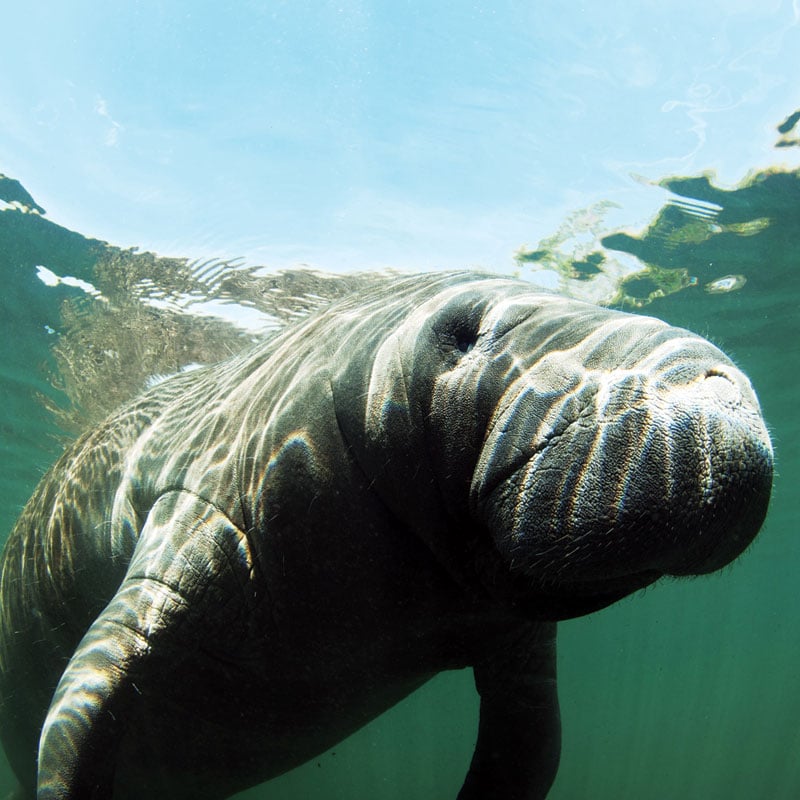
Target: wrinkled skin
{"points": [[255, 559]]}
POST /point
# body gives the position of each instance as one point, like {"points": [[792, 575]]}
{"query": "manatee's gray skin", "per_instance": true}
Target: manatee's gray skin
{"points": [[254, 559]]}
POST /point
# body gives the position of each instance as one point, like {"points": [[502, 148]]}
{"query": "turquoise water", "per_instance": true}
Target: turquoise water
{"points": [[684, 690], [641, 157]]}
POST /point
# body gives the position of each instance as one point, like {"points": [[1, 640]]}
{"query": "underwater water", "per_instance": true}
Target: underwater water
{"points": [[688, 689]]}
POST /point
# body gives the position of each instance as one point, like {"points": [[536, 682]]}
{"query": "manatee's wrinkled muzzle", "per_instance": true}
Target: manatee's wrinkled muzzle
{"points": [[598, 478]]}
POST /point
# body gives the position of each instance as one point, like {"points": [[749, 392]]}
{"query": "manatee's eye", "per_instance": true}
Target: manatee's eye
{"points": [[457, 326], [459, 333], [465, 339]]}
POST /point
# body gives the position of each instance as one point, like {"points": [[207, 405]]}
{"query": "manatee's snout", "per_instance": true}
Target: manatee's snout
{"points": [[724, 465], [605, 477]]}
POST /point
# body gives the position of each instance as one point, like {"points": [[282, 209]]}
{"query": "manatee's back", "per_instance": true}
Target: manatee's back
{"points": [[62, 563], [70, 549]]}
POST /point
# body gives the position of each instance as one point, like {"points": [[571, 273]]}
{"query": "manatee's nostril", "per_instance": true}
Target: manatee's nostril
{"points": [[723, 386], [717, 372]]}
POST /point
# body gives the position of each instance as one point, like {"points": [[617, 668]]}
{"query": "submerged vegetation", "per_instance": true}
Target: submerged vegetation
{"points": [[693, 241]]}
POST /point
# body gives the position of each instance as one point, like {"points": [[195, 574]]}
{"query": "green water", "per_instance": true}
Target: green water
{"points": [[687, 690]]}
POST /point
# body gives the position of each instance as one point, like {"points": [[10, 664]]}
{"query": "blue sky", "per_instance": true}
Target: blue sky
{"points": [[359, 135]]}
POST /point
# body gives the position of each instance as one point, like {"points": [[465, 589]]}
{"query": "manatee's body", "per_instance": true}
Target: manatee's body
{"points": [[254, 559]]}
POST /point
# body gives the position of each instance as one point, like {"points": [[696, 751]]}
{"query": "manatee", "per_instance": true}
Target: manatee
{"points": [[254, 559]]}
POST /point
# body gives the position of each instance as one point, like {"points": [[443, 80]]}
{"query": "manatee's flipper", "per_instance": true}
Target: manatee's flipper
{"points": [[191, 562], [519, 734]]}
